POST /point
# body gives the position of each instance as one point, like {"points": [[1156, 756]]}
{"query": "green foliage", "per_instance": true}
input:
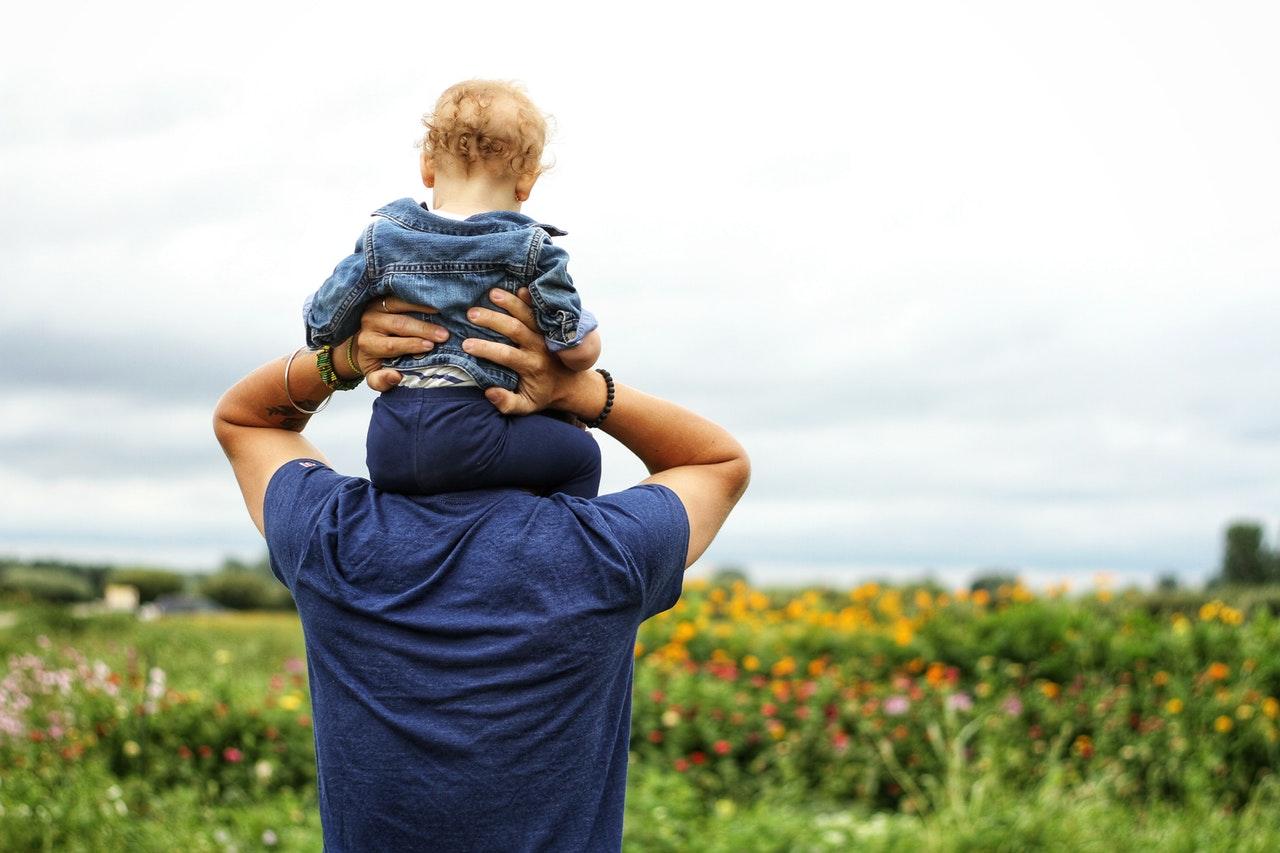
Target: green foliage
{"points": [[992, 579], [151, 583], [246, 590], [761, 722], [1244, 560], [25, 583]]}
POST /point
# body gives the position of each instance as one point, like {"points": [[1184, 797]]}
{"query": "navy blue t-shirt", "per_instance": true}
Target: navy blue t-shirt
{"points": [[470, 655]]}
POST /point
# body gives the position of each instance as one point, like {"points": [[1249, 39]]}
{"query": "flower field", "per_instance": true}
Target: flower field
{"points": [[876, 718]]}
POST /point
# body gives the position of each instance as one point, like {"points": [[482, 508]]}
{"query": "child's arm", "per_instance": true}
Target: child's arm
{"points": [[568, 328], [584, 355], [330, 313]]}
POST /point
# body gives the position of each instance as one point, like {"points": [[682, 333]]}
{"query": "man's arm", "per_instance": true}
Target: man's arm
{"points": [[259, 428], [698, 460]]}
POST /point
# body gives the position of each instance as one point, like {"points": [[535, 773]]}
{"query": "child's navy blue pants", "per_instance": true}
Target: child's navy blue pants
{"points": [[430, 440]]}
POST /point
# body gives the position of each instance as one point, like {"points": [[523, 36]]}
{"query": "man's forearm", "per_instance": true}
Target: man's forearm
{"points": [[261, 400], [662, 434]]}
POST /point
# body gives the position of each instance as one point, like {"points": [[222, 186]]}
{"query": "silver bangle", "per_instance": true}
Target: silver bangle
{"points": [[288, 364]]}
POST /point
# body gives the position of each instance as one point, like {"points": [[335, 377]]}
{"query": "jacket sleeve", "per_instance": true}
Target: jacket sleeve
{"points": [[556, 306], [332, 313]]}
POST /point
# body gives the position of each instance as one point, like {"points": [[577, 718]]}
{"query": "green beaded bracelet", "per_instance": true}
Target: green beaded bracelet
{"points": [[329, 376]]}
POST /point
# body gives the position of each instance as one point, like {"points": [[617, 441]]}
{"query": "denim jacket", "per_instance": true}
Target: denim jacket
{"points": [[451, 265]]}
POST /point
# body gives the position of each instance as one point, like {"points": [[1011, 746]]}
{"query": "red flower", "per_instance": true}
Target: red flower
{"points": [[698, 758], [304, 720], [655, 736], [840, 740], [184, 751], [769, 709], [657, 696], [802, 712], [722, 747], [205, 750], [232, 754], [681, 765], [272, 733]]}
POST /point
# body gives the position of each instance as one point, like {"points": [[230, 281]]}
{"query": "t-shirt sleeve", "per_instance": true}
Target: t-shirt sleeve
{"points": [[651, 524], [296, 493]]}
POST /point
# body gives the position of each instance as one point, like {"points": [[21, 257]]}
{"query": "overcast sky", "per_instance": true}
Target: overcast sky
{"points": [[976, 284]]}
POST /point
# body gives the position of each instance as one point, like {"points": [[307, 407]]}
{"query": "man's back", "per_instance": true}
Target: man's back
{"points": [[470, 655]]}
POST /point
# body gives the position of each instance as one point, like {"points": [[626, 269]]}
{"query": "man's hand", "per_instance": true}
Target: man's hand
{"points": [[386, 331], [544, 381]]}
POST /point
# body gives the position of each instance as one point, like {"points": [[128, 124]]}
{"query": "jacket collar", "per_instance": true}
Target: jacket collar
{"points": [[410, 214]]}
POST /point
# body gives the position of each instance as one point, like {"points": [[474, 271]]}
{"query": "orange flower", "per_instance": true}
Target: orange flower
{"points": [[1049, 689], [1160, 679], [1223, 724], [1218, 671], [1271, 707]]}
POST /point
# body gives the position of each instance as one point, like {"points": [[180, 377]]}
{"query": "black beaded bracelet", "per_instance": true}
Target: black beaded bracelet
{"points": [[608, 400]]}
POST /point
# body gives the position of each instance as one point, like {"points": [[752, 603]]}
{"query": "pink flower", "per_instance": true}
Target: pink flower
{"points": [[896, 706], [960, 702], [294, 665], [233, 755], [1012, 706]]}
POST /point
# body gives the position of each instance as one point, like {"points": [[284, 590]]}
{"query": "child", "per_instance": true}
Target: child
{"points": [[436, 431]]}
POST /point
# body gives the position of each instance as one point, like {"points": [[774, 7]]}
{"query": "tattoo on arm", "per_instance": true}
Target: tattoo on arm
{"points": [[287, 417]]}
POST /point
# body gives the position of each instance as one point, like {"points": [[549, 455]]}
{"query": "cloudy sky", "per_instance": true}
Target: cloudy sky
{"points": [[982, 284]]}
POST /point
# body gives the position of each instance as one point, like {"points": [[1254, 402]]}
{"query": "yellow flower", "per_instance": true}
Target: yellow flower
{"points": [[751, 663], [1181, 624], [1223, 724], [291, 701], [131, 748], [1160, 679], [1244, 712], [1271, 707], [684, 632], [1173, 706], [639, 649], [671, 718], [1209, 611], [902, 631], [784, 667]]}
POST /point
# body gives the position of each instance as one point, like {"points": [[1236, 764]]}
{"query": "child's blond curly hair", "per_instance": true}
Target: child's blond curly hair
{"points": [[489, 122]]}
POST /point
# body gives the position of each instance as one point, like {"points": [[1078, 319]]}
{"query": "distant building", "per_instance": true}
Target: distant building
{"points": [[120, 598], [167, 605]]}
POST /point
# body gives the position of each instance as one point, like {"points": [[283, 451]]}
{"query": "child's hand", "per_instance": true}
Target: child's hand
{"points": [[584, 355], [386, 332]]}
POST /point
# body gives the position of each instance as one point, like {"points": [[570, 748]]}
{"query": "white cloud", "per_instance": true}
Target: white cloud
{"points": [[993, 275]]}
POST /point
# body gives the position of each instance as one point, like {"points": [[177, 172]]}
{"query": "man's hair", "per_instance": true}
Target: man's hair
{"points": [[489, 122]]}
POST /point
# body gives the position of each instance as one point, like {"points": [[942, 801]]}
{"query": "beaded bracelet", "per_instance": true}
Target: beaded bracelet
{"points": [[329, 376], [608, 399], [351, 345]]}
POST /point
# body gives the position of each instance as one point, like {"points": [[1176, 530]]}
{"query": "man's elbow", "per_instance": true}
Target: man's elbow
{"points": [[738, 473], [224, 428]]}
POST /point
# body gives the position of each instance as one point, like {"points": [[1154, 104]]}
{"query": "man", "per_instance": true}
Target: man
{"points": [[470, 655]]}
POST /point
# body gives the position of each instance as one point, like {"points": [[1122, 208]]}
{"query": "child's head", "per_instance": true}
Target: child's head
{"points": [[485, 129]]}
